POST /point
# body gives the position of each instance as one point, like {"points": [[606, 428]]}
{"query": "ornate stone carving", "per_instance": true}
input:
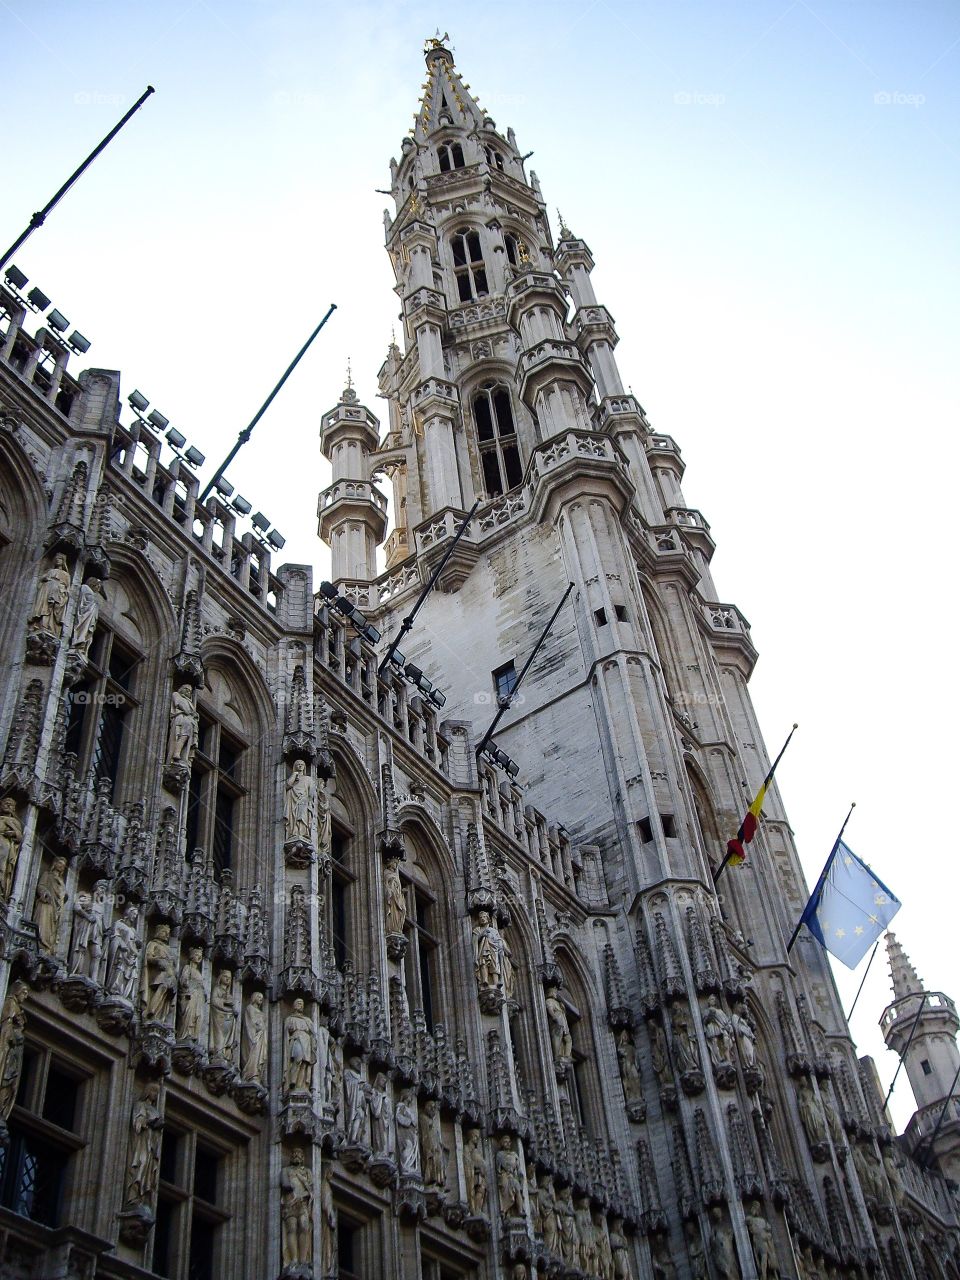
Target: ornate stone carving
{"points": [[746, 1038], [475, 1174], [811, 1117], [45, 623], [143, 1168], [192, 998], [432, 1150], [762, 1242], [487, 963], [253, 1042], [159, 977], [687, 1051], [394, 909], [630, 1076], [299, 1050], [85, 623], [13, 1019], [509, 1178], [718, 1030], [722, 1249], [299, 812], [182, 739], [561, 1041], [328, 1229], [51, 897], [11, 838], [223, 1018], [408, 1146], [123, 955]]}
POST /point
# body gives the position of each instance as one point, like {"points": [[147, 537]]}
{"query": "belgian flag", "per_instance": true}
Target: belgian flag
{"points": [[736, 853]]}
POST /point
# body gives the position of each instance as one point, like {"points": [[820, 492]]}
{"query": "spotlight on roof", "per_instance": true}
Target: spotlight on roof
{"points": [[15, 277], [38, 299], [79, 343], [175, 438], [223, 487], [413, 673], [369, 632], [57, 320], [137, 401], [328, 591], [260, 522], [195, 457], [496, 756], [424, 685], [345, 606], [276, 540], [437, 698], [156, 419], [397, 658], [242, 506]]}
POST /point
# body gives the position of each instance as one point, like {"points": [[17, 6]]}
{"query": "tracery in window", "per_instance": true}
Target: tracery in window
{"points": [[450, 155], [100, 707], [497, 439], [215, 792], [189, 1212], [468, 266]]}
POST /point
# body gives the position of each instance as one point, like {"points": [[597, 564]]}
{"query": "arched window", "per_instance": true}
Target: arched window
{"points": [[215, 791], [450, 155], [421, 954], [342, 880], [100, 707], [468, 266], [512, 246], [497, 439], [494, 158]]}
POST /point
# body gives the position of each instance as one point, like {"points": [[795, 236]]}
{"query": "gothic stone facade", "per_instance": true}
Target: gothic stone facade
{"points": [[296, 986]]}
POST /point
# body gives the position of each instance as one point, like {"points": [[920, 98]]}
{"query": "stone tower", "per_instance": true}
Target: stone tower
{"points": [[921, 1026]]}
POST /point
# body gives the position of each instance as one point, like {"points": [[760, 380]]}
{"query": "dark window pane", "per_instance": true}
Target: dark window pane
{"points": [[32, 1179], [457, 156], [205, 735], [473, 246], [338, 846], [168, 1156], [511, 461], [511, 246], [463, 287], [459, 251], [194, 803], [504, 412], [426, 980], [223, 828], [122, 663], [338, 912], [481, 412], [205, 1175], [505, 679], [444, 156], [60, 1101], [106, 757], [201, 1250], [30, 1060], [162, 1238], [346, 1239], [491, 474], [79, 703], [228, 755], [480, 282]]}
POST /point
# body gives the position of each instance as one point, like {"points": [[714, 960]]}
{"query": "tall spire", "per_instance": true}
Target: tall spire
{"points": [[445, 98], [902, 973]]}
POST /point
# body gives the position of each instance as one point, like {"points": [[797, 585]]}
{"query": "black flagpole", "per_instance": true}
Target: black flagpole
{"points": [[823, 876], [38, 219], [766, 782], [876, 947], [943, 1111], [408, 620], [922, 997], [247, 431]]}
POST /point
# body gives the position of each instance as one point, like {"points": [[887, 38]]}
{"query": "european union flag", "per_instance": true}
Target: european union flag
{"points": [[849, 908]]}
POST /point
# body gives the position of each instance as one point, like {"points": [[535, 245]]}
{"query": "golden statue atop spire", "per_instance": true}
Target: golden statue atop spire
{"points": [[436, 41]]}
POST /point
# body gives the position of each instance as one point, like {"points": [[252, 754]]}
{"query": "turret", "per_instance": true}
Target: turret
{"points": [[351, 511], [921, 1026]]}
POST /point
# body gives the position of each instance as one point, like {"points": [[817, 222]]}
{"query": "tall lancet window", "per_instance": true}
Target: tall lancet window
{"points": [[497, 439], [468, 266], [494, 158], [450, 155]]}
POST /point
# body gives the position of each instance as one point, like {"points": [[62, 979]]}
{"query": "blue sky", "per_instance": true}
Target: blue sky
{"points": [[770, 191]]}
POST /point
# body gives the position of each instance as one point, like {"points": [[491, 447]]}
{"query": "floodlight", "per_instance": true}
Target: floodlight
{"points": [[57, 320], [424, 685], [195, 457], [176, 438], [38, 299], [15, 277], [437, 698], [79, 343], [513, 768], [242, 506], [344, 606], [137, 401], [358, 619], [276, 540], [328, 590], [260, 522], [370, 634], [156, 419], [413, 673], [397, 658], [223, 487]]}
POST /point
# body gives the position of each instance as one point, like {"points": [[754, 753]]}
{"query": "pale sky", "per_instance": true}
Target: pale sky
{"points": [[770, 192]]}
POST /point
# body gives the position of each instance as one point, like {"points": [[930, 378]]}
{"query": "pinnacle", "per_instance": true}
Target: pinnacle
{"points": [[902, 973]]}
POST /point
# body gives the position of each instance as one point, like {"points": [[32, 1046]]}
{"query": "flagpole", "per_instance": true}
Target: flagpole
{"points": [[922, 996], [766, 782], [943, 1111], [823, 876], [876, 947]]}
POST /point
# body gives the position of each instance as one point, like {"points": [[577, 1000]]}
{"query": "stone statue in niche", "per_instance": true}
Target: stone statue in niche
{"points": [[587, 1256], [569, 1243], [13, 1020], [549, 1222], [561, 1041], [509, 1179], [475, 1173], [86, 946], [696, 1254], [328, 1228], [51, 599], [159, 976], [746, 1037], [685, 1041], [299, 805], [602, 1246], [123, 955], [11, 838], [431, 1145], [51, 896], [508, 970], [253, 1042], [299, 1050], [184, 727], [394, 902], [762, 1243], [407, 1144], [355, 1098], [296, 1215], [622, 1270], [722, 1249], [223, 1018], [486, 952], [192, 997], [658, 1056], [660, 1256], [324, 819], [85, 624], [630, 1074], [718, 1033], [811, 1117], [382, 1136], [534, 1200], [146, 1126]]}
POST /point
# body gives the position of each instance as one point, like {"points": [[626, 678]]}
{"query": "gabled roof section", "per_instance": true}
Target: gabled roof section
{"points": [[446, 100]]}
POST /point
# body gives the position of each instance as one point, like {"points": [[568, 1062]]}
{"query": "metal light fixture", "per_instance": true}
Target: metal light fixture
{"points": [[260, 522], [15, 277], [223, 487], [328, 591], [156, 419], [195, 457], [38, 299], [79, 343], [57, 320], [437, 698], [137, 401], [175, 438], [276, 540], [242, 506]]}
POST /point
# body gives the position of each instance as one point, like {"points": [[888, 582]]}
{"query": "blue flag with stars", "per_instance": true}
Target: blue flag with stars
{"points": [[849, 908]]}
